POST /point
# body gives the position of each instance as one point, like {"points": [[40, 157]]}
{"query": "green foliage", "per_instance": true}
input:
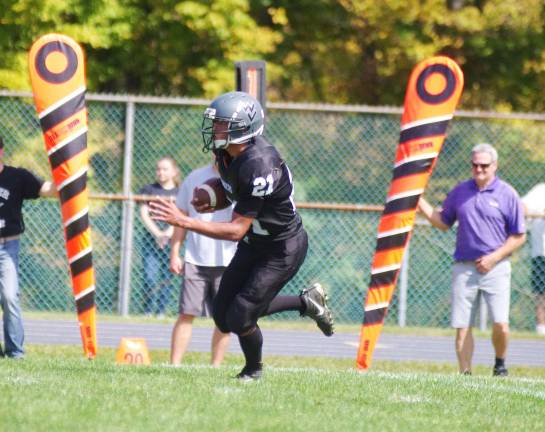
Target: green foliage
{"points": [[362, 51], [95, 24], [138, 46], [337, 51]]}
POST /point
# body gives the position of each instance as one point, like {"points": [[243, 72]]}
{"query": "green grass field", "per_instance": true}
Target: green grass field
{"points": [[56, 389]]}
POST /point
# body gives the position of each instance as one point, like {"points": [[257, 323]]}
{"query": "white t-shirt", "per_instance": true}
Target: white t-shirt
{"points": [[534, 201], [199, 249]]}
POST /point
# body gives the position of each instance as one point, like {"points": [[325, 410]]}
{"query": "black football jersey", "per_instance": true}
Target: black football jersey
{"points": [[260, 184]]}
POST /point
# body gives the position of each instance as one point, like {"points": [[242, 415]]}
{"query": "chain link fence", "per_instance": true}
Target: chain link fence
{"points": [[336, 154]]}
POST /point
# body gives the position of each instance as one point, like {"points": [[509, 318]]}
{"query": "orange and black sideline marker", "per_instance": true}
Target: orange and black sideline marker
{"points": [[433, 91], [57, 74]]}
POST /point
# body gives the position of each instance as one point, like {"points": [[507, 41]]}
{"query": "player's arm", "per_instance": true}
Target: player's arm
{"points": [[234, 230], [432, 215], [48, 189]]}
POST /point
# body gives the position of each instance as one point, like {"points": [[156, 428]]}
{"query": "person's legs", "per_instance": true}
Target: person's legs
{"points": [[251, 344], [192, 303], [465, 300], [233, 279], [464, 345], [315, 307], [166, 282], [9, 296], [538, 287], [284, 304], [311, 302], [270, 272], [500, 338], [151, 275], [220, 342], [496, 286], [181, 335], [540, 314], [291, 303]]}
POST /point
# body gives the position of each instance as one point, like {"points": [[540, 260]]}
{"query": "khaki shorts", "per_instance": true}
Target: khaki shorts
{"points": [[199, 288], [467, 287]]}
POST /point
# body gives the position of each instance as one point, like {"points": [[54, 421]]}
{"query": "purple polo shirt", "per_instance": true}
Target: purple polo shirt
{"points": [[485, 218]]}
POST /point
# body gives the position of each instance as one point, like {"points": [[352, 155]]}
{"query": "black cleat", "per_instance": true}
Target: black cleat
{"points": [[315, 301], [500, 371], [250, 373]]}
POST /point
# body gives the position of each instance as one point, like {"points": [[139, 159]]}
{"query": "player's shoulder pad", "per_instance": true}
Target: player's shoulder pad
{"points": [[263, 158], [257, 167]]}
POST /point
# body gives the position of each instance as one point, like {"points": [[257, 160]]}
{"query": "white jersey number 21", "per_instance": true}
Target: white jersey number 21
{"points": [[263, 186]]}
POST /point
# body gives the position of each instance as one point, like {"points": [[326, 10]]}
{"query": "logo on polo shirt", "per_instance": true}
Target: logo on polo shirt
{"points": [[494, 203]]}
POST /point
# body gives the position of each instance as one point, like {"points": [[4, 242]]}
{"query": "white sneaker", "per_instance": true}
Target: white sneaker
{"points": [[540, 329]]}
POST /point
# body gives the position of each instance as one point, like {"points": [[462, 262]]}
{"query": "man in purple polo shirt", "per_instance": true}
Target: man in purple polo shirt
{"points": [[491, 227]]}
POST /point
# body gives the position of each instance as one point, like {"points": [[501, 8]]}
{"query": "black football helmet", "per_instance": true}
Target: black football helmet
{"points": [[244, 116]]}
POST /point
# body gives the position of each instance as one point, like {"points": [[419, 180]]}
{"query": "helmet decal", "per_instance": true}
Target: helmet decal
{"points": [[210, 112]]}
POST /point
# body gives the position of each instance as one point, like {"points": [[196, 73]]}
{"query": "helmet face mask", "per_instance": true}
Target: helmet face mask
{"points": [[232, 118]]}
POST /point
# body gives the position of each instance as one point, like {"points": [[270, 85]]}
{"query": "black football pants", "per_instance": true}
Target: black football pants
{"points": [[254, 277]]}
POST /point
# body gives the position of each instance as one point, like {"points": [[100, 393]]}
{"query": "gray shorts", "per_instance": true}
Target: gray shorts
{"points": [[199, 289], [467, 287]]}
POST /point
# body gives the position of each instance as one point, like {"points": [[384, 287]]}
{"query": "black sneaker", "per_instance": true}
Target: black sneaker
{"points": [[315, 301], [500, 371], [250, 373]]}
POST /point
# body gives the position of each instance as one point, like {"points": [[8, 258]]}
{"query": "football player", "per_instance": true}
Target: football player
{"points": [[272, 241]]}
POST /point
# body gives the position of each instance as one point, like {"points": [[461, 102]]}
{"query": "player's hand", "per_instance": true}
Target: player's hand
{"points": [[177, 265], [200, 206], [486, 263], [165, 210]]}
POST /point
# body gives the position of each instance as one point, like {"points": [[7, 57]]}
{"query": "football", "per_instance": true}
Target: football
{"points": [[211, 195]]}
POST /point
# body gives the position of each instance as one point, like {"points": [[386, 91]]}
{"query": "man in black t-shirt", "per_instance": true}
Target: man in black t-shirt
{"points": [[16, 185], [272, 242]]}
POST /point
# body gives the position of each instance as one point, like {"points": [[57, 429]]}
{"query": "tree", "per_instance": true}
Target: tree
{"points": [[139, 46], [362, 51], [96, 24], [332, 51]]}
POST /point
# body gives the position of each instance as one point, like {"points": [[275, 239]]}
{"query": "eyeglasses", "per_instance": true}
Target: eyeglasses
{"points": [[482, 166]]}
